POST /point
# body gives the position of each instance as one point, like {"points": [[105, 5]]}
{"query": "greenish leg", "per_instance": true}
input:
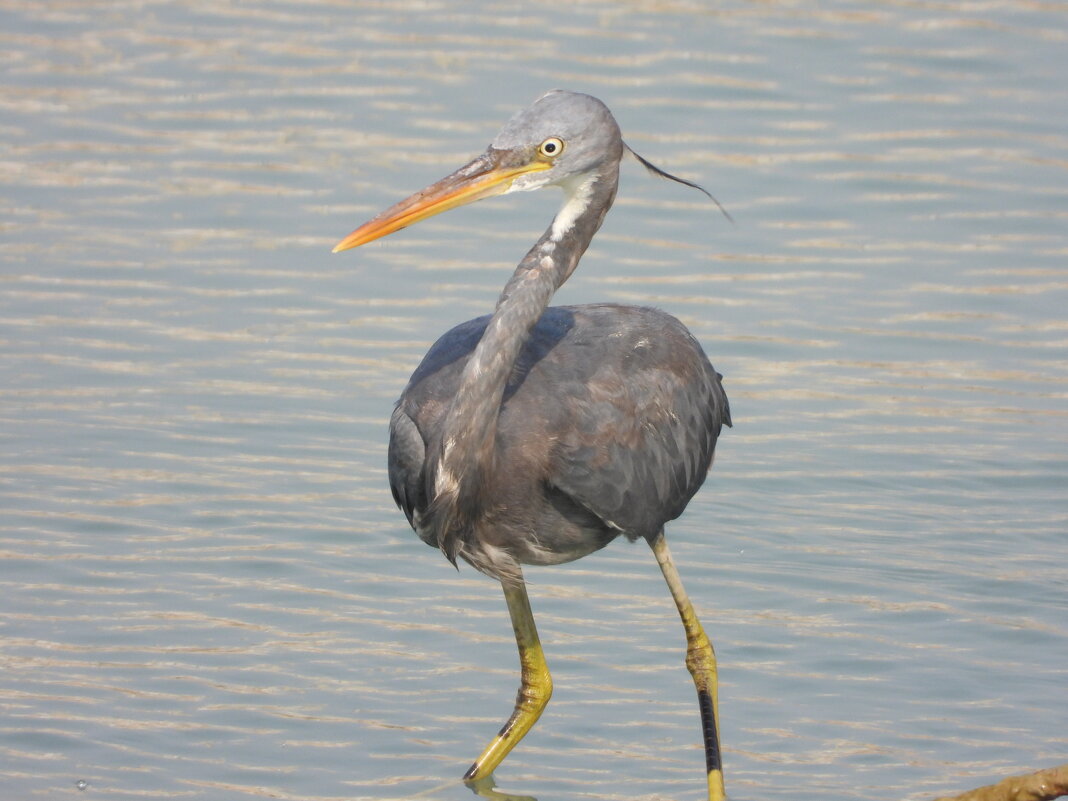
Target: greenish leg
{"points": [[701, 662], [534, 691]]}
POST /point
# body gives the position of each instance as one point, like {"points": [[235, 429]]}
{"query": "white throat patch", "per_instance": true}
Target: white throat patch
{"points": [[577, 192]]}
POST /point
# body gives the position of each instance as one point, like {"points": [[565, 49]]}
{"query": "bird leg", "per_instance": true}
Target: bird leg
{"points": [[534, 691], [701, 662]]}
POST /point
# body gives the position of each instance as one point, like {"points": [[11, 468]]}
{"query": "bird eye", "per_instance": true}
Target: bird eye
{"points": [[551, 147]]}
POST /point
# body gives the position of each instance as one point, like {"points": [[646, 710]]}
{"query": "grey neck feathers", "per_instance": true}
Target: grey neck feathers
{"points": [[464, 456]]}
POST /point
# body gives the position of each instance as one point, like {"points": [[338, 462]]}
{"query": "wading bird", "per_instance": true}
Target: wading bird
{"points": [[538, 434]]}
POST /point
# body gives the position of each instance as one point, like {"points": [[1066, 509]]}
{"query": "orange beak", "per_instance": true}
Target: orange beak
{"points": [[486, 176]]}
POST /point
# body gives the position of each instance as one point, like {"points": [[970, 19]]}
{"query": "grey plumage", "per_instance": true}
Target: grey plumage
{"points": [[537, 435], [545, 433], [607, 426]]}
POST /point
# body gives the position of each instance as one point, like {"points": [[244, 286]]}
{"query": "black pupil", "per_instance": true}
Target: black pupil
{"points": [[550, 147]]}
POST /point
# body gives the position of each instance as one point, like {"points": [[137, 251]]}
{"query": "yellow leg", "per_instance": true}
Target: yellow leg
{"points": [[534, 691], [701, 662]]}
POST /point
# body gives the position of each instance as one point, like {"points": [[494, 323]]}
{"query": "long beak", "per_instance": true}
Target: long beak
{"points": [[487, 175]]}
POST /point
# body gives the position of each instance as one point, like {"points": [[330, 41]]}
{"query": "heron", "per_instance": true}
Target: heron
{"points": [[536, 435]]}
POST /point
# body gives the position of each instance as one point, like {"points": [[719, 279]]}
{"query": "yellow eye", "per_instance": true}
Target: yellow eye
{"points": [[551, 147]]}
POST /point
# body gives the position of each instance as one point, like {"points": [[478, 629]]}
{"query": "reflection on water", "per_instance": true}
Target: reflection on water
{"points": [[207, 592], [487, 788]]}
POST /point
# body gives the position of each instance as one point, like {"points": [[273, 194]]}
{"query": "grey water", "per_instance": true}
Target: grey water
{"points": [[205, 589]]}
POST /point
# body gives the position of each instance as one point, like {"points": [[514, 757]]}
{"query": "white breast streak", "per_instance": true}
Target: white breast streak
{"points": [[576, 199], [445, 482]]}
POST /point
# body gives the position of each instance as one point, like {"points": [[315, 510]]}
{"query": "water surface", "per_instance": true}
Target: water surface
{"points": [[207, 592]]}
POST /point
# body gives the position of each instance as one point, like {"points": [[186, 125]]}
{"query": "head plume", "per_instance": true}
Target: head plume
{"points": [[663, 174]]}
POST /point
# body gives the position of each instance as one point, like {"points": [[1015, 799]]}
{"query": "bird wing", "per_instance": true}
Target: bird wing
{"points": [[406, 456], [638, 433]]}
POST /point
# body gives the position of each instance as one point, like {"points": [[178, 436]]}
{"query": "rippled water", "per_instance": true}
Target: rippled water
{"points": [[206, 590]]}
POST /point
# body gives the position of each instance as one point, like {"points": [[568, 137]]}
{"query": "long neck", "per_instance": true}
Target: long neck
{"points": [[466, 453]]}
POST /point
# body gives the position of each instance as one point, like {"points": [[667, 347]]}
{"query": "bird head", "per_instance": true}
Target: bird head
{"points": [[560, 136]]}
